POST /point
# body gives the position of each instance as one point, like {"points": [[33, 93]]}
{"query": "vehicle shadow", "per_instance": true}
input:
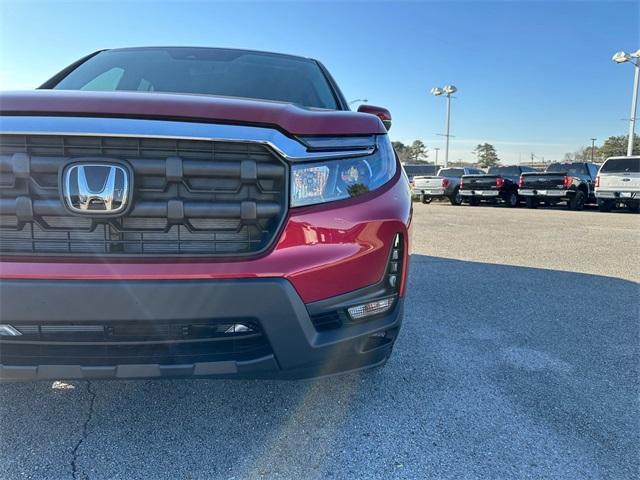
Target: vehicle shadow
{"points": [[587, 208], [499, 371]]}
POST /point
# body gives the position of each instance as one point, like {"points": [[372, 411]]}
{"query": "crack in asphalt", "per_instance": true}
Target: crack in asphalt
{"points": [[85, 427]]}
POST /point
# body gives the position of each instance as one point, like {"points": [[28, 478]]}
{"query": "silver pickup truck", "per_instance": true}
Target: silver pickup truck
{"points": [[618, 182], [445, 184]]}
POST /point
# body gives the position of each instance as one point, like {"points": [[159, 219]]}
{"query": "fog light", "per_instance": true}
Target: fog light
{"points": [[372, 308], [9, 331], [239, 328]]}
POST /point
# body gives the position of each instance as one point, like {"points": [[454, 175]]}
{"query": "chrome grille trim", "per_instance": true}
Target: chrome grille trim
{"points": [[287, 147]]}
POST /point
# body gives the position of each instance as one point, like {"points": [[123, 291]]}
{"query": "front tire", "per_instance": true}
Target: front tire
{"points": [[533, 202], [455, 198], [634, 206], [577, 202], [426, 200]]}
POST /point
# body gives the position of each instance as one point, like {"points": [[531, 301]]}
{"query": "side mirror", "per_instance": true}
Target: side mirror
{"points": [[380, 112]]}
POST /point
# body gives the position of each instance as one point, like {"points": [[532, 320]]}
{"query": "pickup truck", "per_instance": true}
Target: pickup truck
{"points": [[445, 184], [498, 184], [618, 182], [571, 183]]}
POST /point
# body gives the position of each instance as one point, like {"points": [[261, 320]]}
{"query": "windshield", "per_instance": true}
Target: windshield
{"points": [[504, 171], [233, 73], [419, 170], [451, 172], [621, 165], [569, 168]]}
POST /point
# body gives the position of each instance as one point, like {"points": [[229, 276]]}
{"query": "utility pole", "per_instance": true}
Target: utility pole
{"points": [[447, 90], [437, 149], [446, 147], [634, 105], [593, 146]]}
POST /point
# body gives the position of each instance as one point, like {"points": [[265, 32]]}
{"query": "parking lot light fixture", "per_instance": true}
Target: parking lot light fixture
{"points": [[358, 100], [623, 57], [447, 90]]}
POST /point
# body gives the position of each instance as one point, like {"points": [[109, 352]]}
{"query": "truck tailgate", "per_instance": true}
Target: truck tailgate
{"points": [[551, 180], [427, 183], [479, 182], [627, 182]]}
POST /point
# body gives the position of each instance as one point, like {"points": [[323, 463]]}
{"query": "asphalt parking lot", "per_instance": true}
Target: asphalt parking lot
{"points": [[519, 358]]}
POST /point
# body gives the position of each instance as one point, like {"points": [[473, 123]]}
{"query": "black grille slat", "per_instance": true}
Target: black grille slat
{"points": [[191, 197]]}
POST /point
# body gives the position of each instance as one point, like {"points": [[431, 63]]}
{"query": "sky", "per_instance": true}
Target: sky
{"points": [[532, 77]]}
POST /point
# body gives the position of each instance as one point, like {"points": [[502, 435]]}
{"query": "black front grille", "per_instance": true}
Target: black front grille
{"points": [[165, 343], [190, 197]]}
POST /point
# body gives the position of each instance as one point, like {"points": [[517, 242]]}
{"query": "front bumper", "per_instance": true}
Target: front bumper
{"points": [[291, 344]]}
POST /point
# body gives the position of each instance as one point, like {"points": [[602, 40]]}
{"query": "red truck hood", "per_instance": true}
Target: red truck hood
{"points": [[288, 117]]}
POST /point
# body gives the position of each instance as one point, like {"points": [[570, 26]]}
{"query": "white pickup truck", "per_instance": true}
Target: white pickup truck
{"points": [[618, 182], [445, 184]]}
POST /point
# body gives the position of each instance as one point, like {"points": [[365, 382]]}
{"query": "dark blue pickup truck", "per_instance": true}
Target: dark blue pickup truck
{"points": [[572, 183], [499, 184]]}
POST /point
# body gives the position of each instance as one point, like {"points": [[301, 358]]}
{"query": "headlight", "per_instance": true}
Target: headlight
{"points": [[320, 182]]}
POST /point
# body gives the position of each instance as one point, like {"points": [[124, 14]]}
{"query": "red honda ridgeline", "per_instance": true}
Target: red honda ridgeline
{"points": [[242, 223]]}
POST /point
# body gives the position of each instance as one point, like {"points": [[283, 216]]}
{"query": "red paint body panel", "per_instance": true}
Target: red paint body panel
{"points": [[324, 250], [288, 117]]}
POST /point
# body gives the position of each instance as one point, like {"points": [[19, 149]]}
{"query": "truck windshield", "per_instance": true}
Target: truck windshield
{"points": [[209, 71], [451, 172], [504, 171], [621, 165], [569, 168]]}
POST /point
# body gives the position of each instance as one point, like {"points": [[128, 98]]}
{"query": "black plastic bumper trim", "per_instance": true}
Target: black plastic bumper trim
{"points": [[299, 350]]}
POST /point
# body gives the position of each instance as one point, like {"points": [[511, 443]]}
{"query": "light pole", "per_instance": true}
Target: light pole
{"points": [[363, 100], [437, 149], [593, 146], [623, 57], [447, 90]]}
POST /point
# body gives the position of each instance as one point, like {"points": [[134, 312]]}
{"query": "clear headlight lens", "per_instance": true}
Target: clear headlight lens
{"points": [[330, 180]]}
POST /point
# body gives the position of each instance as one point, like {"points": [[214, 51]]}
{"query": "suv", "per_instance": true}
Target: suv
{"points": [[560, 182], [445, 184], [243, 222], [498, 184], [618, 182]]}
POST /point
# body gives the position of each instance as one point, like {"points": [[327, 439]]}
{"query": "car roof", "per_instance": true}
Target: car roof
{"points": [[623, 157]]}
